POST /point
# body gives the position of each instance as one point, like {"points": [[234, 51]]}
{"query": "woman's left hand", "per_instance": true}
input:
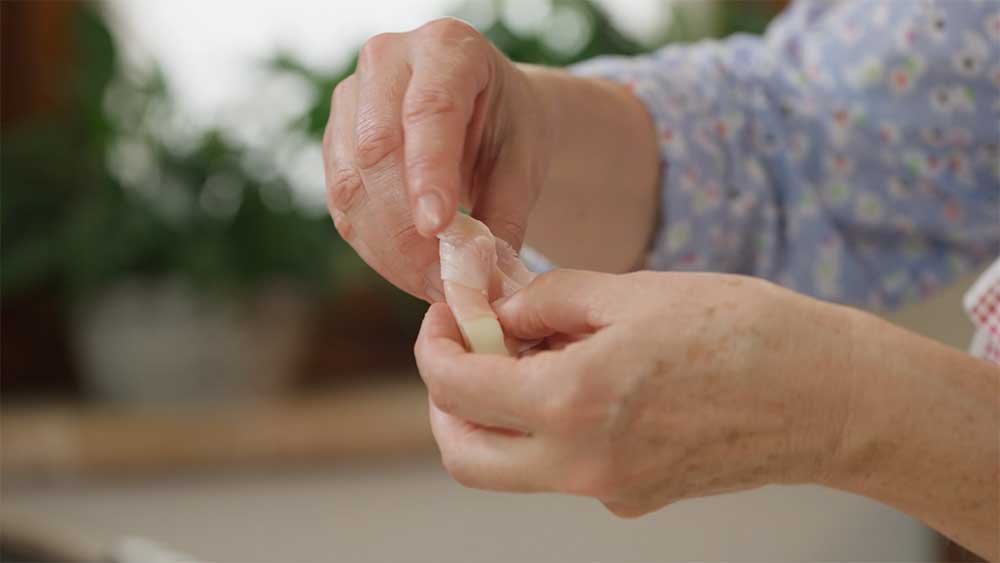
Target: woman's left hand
{"points": [[655, 387]]}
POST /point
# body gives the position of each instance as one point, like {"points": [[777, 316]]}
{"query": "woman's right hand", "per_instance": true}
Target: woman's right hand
{"points": [[431, 119]]}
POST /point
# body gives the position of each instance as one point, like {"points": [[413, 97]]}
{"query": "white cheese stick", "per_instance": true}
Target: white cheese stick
{"points": [[477, 268]]}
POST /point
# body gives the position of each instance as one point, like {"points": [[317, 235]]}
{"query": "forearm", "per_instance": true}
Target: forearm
{"points": [[597, 209], [923, 432]]}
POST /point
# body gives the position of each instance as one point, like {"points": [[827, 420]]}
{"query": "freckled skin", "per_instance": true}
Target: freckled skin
{"points": [[747, 383], [703, 427], [923, 434], [667, 386]]}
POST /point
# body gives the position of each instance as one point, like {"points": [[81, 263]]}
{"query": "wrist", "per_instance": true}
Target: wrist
{"points": [[542, 88], [571, 109], [601, 190], [872, 404], [920, 431], [809, 351], [846, 389]]}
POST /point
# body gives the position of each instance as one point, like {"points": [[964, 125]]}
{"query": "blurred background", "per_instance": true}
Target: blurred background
{"points": [[194, 363]]}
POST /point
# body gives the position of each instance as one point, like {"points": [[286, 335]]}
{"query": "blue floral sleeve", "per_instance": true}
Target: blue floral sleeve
{"points": [[850, 153]]}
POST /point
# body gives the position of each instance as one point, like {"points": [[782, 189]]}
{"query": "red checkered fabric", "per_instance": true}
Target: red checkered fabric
{"points": [[983, 305]]}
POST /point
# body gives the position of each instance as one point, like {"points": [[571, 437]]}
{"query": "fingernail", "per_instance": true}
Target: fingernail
{"points": [[429, 213]]}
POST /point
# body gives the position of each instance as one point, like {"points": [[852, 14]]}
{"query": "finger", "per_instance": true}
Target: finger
{"points": [[503, 205], [466, 304], [378, 155], [437, 109], [511, 272], [344, 189], [490, 390], [468, 258], [468, 266], [558, 302], [358, 214], [347, 197], [484, 459]]}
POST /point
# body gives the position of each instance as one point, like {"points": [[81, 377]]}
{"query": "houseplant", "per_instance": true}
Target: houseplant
{"points": [[112, 206], [147, 237]]}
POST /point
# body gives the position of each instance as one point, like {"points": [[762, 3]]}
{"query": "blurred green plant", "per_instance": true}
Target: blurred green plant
{"points": [[600, 37], [197, 210], [109, 189]]}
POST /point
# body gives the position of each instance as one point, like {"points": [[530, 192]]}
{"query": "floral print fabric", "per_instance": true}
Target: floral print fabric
{"points": [[850, 153]]}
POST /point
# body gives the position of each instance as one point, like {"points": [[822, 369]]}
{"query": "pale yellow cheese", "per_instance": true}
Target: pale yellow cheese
{"points": [[484, 336]]}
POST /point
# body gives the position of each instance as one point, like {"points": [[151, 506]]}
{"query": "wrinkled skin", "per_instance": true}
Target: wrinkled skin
{"points": [[430, 119], [658, 387], [650, 387]]}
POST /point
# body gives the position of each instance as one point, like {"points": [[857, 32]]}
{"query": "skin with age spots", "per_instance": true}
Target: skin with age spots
{"points": [[437, 117], [635, 436], [651, 388], [666, 386]]}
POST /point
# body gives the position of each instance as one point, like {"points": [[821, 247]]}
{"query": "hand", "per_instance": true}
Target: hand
{"points": [[656, 387], [431, 118]]}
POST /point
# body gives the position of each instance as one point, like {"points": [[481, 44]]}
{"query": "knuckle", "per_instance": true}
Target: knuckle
{"points": [[339, 91], [459, 470], [450, 29], [555, 282], [342, 224], [624, 510], [406, 239], [428, 103], [375, 143], [440, 395], [375, 48], [345, 189], [527, 316], [328, 137], [595, 478], [509, 229], [552, 279]]}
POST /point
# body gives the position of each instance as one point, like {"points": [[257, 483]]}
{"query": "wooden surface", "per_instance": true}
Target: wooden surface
{"points": [[45, 442]]}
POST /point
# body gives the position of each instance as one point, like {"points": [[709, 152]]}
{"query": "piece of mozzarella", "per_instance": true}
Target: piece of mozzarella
{"points": [[476, 269]]}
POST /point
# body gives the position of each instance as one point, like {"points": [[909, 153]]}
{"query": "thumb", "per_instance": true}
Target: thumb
{"points": [[558, 302], [506, 202]]}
